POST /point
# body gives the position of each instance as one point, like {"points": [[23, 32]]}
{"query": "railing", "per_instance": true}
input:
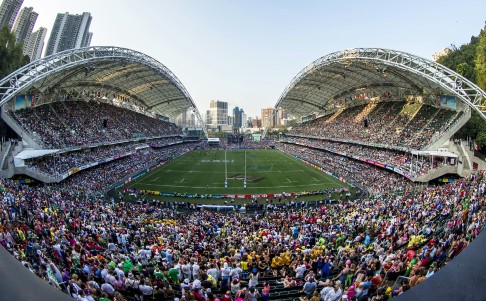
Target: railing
{"points": [[389, 167], [349, 141], [94, 145], [447, 131], [23, 132], [435, 172], [8, 148]]}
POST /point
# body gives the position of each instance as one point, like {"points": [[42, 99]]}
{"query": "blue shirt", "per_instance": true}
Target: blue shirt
{"points": [[309, 287], [326, 270]]}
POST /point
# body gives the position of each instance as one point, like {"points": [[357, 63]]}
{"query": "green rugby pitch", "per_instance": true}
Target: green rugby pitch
{"points": [[203, 172]]}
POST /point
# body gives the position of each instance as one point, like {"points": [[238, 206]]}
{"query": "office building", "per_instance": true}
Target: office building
{"points": [[217, 114], [238, 117], [8, 12], [69, 32], [35, 45], [256, 123]]}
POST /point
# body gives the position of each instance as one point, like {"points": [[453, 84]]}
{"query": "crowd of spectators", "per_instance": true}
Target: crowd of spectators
{"points": [[94, 180], [399, 159], [391, 123], [94, 249], [163, 142], [376, 179], [75, 123], [97, 250], [58, 164]]}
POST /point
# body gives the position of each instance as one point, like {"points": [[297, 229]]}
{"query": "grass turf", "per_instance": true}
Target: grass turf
{"points": [[203, 172]]}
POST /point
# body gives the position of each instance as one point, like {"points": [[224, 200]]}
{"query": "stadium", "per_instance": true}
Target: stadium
{"points": [[370, 196]]}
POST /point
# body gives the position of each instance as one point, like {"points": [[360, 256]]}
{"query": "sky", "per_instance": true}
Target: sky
{"points": [[247, 52]]}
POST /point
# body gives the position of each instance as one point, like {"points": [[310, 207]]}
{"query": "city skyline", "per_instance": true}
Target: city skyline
{"points": [[248, 53]]}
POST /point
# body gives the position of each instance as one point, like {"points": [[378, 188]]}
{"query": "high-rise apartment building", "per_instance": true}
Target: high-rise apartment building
{"points": [[69, 32], [279, 116], [268, 117], [35, 45], [8, 12], [186, 118], [24, 24]]}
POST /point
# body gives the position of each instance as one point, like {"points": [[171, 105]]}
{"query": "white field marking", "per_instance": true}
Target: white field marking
{"points": [[154, 180], [281, 186], [315, 179], [182, 181], [289, 181], [259, 171], [190, 171]]}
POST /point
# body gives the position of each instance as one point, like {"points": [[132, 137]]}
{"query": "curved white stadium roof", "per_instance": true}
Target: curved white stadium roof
{"points": [[332, 80], [105, 69]]}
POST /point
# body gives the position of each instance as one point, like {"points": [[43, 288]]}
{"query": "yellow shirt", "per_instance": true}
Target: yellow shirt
{"points": [[244, 265], [274, 263]]}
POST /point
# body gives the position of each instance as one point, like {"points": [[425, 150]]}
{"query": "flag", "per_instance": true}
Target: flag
{"points": [[475, 146]]}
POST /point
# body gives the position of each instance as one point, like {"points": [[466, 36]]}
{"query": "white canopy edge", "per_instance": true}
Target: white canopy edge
{"points": [[34, 153], [435, 154]]}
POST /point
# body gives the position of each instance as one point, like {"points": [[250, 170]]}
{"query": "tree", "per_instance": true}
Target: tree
{"points": [[469, 60], [11, 54], [481, 141], [465, 70], [480, 60], [462, 59]]}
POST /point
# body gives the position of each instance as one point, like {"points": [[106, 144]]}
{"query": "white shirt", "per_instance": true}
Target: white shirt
{"points": [[235, 273], [195, 269], [214, 272], [225, 272], [186, 269], [334, 296], [120, 273], [111, 247], [299, 272], [146, 289], [104, 272], [325, 291], [110, 279], [106, 287]]}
